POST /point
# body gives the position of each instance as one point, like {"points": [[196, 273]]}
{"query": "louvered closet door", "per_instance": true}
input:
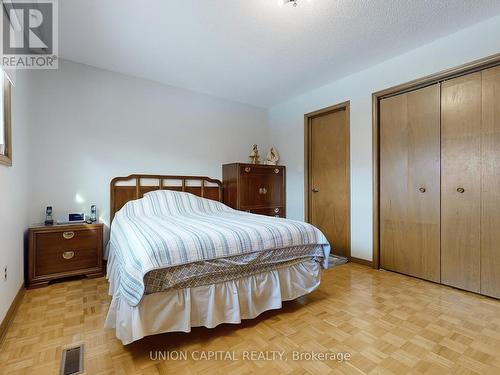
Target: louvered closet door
{"points": [[461, 182], [410, 183], [490, 193]]}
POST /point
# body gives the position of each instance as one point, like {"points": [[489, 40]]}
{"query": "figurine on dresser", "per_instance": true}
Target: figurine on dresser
{"points": [[272, 157], [254, 155]]}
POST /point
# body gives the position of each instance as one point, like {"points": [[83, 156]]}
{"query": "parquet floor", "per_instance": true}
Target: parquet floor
{"points": [[389, 323]]}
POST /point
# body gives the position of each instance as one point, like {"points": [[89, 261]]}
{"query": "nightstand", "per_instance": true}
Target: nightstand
{"points": [[57, 251]]}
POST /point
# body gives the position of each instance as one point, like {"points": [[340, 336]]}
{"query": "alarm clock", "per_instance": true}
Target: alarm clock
{"points": [[73, 218]]}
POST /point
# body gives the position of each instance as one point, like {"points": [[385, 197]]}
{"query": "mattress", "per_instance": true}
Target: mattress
{"points": [[225, 269]]}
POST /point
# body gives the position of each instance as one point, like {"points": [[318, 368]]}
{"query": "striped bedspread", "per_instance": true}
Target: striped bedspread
{"points": [[169, 228]]}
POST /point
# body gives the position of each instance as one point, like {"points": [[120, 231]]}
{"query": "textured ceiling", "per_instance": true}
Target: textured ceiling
{"points": [[254, 51]]}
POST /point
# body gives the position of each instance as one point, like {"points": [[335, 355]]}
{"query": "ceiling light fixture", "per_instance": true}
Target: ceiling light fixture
{"points": [[283, 2]]}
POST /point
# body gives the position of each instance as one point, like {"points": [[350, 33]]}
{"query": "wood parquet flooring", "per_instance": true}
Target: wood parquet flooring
{"points": [[389, 323]]}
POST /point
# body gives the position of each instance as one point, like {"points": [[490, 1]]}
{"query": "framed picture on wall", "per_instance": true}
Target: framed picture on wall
{"points": [[5, 121]]}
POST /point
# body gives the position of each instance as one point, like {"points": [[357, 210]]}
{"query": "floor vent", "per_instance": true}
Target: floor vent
{"points": [[72, 361]]}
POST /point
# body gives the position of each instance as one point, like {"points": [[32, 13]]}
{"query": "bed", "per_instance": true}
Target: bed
{"points": [[178, 258]]}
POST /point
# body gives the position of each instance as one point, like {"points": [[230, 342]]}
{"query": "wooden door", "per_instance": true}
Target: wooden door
{"points": [[490, 192], [328, 195], [461, 182], [410, 183]]}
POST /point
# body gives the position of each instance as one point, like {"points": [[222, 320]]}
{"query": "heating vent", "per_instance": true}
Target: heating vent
{"points": [[72, 361]]}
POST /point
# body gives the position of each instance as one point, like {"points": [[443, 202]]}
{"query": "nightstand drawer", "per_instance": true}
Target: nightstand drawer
{"points": [[69, 239], [54, 260]]}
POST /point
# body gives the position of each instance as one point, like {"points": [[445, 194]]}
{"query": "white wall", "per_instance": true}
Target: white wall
{"points": [[90, 125], [287, 119], [14, 199]]}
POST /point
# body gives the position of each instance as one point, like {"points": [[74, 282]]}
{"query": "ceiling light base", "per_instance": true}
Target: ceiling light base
{"points": [[293, 2]]}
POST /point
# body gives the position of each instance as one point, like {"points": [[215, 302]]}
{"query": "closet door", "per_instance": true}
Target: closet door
{"points": [[461, 182], [410, 183], [490, 192]]}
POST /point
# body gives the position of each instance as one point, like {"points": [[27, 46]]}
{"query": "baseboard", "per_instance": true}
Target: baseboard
{"points": [[364, 262], [11, 312]]}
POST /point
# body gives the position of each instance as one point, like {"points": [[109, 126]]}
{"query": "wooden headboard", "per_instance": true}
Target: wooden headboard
{"points": [[124, 189]]}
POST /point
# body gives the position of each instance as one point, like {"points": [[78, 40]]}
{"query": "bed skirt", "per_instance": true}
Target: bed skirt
{"points": [[178, 310]]}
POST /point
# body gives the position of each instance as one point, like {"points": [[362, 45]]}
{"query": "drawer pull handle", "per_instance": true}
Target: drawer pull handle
{"points": [[422, 190], [68, 235], [276, 210], [247, 169], [461, 190], [276, 170], [68, 255], [263, 191]]}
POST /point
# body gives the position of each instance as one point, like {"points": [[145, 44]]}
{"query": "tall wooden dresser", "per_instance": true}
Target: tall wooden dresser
{"points": [[255, 188]]}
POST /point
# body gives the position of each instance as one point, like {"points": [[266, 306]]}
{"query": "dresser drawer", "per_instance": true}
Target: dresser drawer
{"points": [[270, 211], [257, 169], [53, 260], [69, 239]]}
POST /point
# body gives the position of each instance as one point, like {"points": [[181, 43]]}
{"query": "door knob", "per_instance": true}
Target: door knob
{"points": [[461, 190], [314, 190], [422, 190]]}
